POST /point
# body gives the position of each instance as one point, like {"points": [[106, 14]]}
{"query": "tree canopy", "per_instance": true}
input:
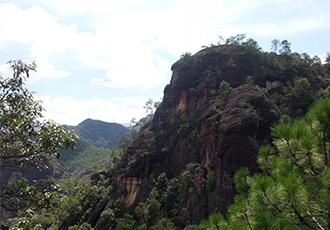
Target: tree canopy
{"points": [[292, 191], [24, 138]]}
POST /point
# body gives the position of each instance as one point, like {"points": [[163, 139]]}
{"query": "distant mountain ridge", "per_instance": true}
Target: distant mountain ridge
{"points": [[100, 133], [96, 146]]}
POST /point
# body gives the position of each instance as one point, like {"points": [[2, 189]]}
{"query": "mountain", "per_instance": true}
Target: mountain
{"points": [[216, 112], [100, 133], [219, 130], [95, 148]]}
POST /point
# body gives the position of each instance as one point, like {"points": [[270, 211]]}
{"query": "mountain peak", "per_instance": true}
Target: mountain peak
{"points": [[100, 133]]}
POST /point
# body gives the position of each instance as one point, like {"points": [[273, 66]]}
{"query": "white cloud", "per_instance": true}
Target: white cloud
{"points": [[291, 27], [123, 37], [4, 70], [47, 71], [118, 44], [96, 81], [67, 110], [36, 28], [294, 4]]}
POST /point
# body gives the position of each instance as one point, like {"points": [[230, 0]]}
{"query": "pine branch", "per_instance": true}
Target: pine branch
{"points": [[248, 222], [319, 210], [315, 221]]}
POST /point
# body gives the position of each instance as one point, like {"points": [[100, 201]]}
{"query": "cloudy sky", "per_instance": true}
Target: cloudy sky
{"points": [[104, 59]]}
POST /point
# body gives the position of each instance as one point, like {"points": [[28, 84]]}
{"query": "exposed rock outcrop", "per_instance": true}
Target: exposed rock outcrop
{"points": [[197, 123], [202, 120]]}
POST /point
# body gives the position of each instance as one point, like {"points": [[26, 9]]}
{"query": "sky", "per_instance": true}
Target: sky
{"points": [[104, 59]]}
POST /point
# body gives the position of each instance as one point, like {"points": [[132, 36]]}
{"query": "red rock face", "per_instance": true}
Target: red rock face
{"points": [[195, 124]]}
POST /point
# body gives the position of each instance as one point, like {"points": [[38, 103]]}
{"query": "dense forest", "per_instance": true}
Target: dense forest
{"points": [[241, 140]]}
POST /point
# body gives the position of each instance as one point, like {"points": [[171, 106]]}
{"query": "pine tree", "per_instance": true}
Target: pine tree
{"points": [[292, 190]]}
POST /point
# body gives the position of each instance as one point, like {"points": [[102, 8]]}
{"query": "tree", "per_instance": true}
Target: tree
{"points": [[224, 89], [150, 106], [235, 40], [293, 189], [221, 40], [275, 45], [215, 222], [240, 38], [302, 93], [25, 139], [251, 45], [327, 59], [285, 47], [134, 128]]}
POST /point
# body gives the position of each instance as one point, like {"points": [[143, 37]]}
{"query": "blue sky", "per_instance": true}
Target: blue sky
{"points": [[104, 59]]}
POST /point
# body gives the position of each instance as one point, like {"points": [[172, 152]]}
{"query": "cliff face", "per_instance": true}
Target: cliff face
{"points": [[200, 122]]}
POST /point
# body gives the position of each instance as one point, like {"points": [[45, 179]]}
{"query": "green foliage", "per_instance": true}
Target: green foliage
{"points": [[215, 221], [192, 227], [186, 177], [275, 45], [235, 40], [191, 91], [251, 46], [231, 64], [302, 93], [126, 223], [36, 201], [285, 47], [28, 141], [185, 56], [84, 226], [84, 161], [165, 191], [164, 224], [241, 180], [248, 112], [222, 92], [123, 142], [119, 207], [47, 203], [292, 192], [224, 89], [99, 133], [107, 219], [24, 138], [154, 211], [149, 107], [249, 80], [185, 125], [211, 178]]}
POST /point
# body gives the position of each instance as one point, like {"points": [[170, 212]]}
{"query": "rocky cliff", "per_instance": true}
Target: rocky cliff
{"points": [[216, 112]]}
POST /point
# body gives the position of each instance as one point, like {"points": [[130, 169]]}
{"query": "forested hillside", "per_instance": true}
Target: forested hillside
{"points": [[96, 148], [100, 133], [240, 141]]}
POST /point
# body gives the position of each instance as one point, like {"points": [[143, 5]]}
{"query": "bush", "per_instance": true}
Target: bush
{"points": [[211, 178], [107, 219], [84, 226]]}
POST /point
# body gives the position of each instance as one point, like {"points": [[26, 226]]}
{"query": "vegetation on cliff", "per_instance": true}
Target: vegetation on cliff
{"points": [[292, 189], [201, 154]]}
